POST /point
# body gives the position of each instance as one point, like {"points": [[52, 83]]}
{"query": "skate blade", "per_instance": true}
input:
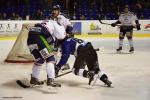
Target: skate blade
{"points": [[131, 52], [119, 52], [56, 86], [36, 86], [108, 85]]}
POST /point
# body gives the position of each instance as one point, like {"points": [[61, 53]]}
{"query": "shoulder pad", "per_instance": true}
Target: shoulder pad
{"points": [[132, 13], [122, 14], [64, 15], [60, 16]]}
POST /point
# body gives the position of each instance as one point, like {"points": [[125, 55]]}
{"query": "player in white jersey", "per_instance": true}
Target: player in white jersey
{"points": [[56, 15], [62, 20], [126, 21], [40, 41]]}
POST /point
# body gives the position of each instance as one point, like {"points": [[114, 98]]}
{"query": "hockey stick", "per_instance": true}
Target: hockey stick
{"points": [[21, 84], [63, 74], [99, 19]]}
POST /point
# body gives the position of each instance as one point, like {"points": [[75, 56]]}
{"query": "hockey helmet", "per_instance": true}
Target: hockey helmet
{"points": [[56, 7]]}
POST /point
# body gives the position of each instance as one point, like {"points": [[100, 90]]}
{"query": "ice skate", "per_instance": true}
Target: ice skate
{"points": [[35, 81], [104, 79], [66, 67], [51, 82], [119, 50], [131, 50], [91, 77]]}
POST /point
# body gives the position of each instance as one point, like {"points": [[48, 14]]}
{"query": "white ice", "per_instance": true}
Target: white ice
{"points": [[130, 74]]}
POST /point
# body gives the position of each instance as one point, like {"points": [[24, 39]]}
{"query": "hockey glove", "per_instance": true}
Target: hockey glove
{"points": [[113, 24], [138, 27]]}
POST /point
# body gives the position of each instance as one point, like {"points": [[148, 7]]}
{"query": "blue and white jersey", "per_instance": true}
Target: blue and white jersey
{"points": [[69, 47]]}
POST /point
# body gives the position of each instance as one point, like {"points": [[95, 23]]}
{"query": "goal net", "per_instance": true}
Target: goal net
{"points": [[20, 52]]}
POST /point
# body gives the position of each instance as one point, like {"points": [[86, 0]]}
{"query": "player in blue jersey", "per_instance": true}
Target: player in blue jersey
{"points": [[64, 21], [85, 55]]}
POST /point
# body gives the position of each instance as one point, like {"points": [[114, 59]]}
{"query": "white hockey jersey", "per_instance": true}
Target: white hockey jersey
{"points": [[63, 21], [128, 19], [56, 30]]}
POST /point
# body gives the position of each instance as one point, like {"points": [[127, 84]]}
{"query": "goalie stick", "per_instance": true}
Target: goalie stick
{"points": [[21, 84]]}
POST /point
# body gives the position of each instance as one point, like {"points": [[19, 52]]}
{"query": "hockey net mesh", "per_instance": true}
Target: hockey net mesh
{"points": [[20, 52]]}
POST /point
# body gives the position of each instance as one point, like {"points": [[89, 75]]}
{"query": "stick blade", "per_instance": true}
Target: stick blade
{"points": [[21, 84]]}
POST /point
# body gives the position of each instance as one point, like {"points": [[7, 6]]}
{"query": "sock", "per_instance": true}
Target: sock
{"points": [[50, 70], [100, 74], [36, 71], [121, 43], [81, 71], [131, 43]]}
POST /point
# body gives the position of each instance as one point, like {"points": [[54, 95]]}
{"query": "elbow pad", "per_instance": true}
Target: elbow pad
{"points": [[69, 29]]}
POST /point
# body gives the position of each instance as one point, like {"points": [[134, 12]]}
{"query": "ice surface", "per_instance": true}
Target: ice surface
{"points": [[130, 74]]}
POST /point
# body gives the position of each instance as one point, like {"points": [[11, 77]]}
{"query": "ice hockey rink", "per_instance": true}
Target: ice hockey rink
{"points": [[129, 73]]}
